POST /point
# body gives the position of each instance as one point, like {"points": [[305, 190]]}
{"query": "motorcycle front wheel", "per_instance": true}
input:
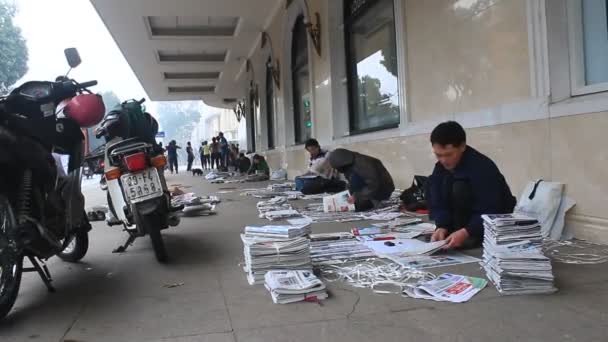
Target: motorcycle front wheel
{"points": [[11, 260]]}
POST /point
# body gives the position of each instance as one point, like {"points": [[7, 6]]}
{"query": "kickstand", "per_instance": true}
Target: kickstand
{"points": [[43, 272], [123, 248]]}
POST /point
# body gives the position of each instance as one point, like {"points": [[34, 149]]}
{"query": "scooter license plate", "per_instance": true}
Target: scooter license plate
{"points": [[142, 186]]}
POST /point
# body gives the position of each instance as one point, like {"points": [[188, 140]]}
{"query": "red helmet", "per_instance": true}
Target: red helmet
{"points": [[86, 109]]}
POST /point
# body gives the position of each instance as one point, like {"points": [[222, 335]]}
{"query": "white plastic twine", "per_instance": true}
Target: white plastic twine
{"points": [[379, 275], [578, 252]]}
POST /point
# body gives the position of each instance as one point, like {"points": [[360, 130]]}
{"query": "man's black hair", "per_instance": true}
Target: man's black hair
{"points": [[449, 133], [311, 143], [242, 155]]}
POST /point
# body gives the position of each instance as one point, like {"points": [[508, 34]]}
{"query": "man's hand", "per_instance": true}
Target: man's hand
{"points": [[456, 239], [351, 199], [439, 234]]}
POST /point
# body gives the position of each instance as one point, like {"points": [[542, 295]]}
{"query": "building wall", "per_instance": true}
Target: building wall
{"points": [[485, 63]]}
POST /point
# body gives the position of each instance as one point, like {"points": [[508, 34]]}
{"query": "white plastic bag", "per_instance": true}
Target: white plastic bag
{"points": [[280, 174], [542, 200]]}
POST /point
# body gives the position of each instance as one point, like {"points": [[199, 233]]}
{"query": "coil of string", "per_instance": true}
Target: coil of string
{"points": [[381, 276], [576, 252]]}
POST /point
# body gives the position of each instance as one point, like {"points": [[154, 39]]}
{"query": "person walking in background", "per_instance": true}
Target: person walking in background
{"points": [[215, 154], [223, 149], [233, 155], [201, 152], [172, 155], [190, 153]]}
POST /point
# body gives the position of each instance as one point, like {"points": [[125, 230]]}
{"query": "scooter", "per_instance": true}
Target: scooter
{"points": [[137, 192], [42, 207]]}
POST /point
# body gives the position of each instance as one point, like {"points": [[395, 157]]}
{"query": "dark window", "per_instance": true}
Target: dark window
{"points": [[251, 110], [371, 64], [301, 82], [270, 105]]}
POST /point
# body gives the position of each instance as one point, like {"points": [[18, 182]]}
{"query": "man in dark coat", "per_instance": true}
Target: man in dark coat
{"points": [[465, 184], [368, 180]]}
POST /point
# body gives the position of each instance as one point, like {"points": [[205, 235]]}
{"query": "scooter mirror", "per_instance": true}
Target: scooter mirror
{"points": [[72, 56]]}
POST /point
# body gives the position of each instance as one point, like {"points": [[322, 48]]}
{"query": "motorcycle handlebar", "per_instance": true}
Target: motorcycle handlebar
{"points": [[88, 84]]}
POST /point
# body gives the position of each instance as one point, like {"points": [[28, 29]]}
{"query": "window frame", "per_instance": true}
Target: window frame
{"points": [[298, 112], [270, 107], [577, 52], [351, 68]]}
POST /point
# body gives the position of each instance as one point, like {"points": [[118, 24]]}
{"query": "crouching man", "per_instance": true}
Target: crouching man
{"points": [[368, 180], [465, 184]]}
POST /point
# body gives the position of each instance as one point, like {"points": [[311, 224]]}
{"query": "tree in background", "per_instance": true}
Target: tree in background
{"points": [[178, 119], [13, 51], [375, 105]]}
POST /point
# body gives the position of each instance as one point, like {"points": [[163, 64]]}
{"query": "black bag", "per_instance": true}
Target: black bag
{"points": [[415, 198]]}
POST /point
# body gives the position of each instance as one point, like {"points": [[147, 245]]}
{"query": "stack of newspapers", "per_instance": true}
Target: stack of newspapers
{"points": [[294, 286], [275, 248], [336, 248], [513, 257], [277, 232]]}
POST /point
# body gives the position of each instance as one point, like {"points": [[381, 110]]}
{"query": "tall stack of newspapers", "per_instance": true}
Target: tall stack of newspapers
{"points": [[513, 256], [275, 248]]}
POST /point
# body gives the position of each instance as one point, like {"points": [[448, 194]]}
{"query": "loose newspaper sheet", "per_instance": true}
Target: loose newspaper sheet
{"points": [[448, 288], [338, 202], [431, 261]]}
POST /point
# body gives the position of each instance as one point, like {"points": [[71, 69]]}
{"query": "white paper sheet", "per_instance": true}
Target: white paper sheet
{"points": [[404, 247]]}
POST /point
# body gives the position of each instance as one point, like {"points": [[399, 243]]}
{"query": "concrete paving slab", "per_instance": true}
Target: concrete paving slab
{"points": [[137, 318], [110, 297], [336, 331], [226, 337]]}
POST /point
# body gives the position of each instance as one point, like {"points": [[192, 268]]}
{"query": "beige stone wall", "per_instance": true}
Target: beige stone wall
{"points": [[568, 150], [465, 56]]}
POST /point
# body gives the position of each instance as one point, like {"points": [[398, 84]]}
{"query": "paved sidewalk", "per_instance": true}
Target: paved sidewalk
{"points": [[112, 297]]}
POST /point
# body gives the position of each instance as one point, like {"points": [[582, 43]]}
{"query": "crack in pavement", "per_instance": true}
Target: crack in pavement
{"points": [[74, 321]]}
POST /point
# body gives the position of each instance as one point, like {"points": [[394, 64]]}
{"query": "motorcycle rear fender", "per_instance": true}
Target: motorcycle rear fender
{"points": [[158, 204]]}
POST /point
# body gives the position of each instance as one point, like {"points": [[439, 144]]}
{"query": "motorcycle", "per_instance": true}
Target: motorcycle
{"points": [[41, 206], [137, 192]]}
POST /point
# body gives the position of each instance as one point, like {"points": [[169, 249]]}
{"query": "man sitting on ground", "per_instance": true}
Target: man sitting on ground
{"points": [[320, 177], [464, 185], [259, 170], [242, 163], [368, 180]]}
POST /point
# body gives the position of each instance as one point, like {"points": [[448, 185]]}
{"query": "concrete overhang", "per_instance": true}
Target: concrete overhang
{"points": [[188, 49]]}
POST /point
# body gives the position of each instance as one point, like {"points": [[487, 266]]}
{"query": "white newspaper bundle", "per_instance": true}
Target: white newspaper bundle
{"points": [[447, 288], [274, 204], [281, 214], [513, 257], [335, 251], [294, 286], [278, 232], [263, 254]]}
